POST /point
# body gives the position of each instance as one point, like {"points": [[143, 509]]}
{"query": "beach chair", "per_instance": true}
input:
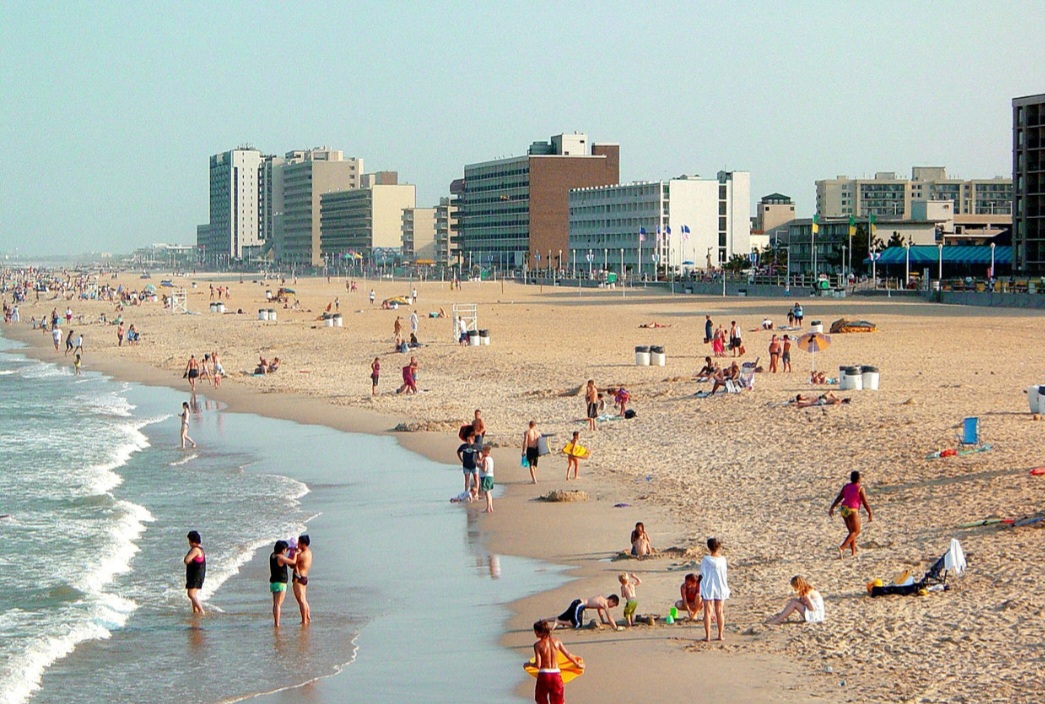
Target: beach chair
{"points": [[951, 561], [746, 380], [970, 434]]}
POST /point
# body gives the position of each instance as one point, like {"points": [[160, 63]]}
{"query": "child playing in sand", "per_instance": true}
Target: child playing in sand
{"points": [[714, 587], [546, 651], [690, 602], [628, 582], [571, 459], [573, 616]]}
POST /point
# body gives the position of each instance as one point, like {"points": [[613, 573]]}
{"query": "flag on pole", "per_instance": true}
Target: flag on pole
{"points": [[642, 234], [852, 226], [685, 232], [668, 230], [870, 220], [816, 224]]}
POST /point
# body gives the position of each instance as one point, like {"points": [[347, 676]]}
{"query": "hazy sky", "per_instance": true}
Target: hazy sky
{"points": [[109, 110]]}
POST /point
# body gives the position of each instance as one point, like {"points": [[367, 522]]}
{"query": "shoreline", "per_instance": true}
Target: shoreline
{"points": [[748, 468], [587, 572]]}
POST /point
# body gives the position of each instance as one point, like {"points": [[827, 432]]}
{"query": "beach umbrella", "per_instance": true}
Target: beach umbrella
{"points": [[149, 288], [813, 342], [289, 290]]}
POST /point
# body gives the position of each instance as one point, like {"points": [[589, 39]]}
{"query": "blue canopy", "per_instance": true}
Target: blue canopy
{"points": [[962, 255]]}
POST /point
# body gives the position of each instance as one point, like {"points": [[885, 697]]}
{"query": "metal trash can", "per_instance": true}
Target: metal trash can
{"points": [[656, 356], [484, 337], [642, 356], [869, 378]]}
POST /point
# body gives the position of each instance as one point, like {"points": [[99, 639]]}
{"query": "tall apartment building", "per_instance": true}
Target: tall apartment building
{"points": [[887, 195], [510, 210], [235, 221], [419, 227], [364, 219], [445, 219], [1028, 174], [306, 176], [701, 221]]}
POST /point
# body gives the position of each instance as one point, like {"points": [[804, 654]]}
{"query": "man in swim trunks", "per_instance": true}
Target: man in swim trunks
{"points": [[301, 569], [278, 577], [574, 614], [549, 688], [468, 453], [530, 438]]}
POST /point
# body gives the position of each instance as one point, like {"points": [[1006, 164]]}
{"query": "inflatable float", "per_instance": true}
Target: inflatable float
{"points": [[577, 451], [568, 669]]}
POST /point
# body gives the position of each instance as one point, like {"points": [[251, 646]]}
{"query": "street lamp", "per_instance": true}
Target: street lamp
{"points": [[591, 258], [992, 261], [939, 275], [907, 276]]}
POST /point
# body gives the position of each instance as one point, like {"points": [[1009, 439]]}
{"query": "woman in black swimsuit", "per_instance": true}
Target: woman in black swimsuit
{"points": [[195, 571]]}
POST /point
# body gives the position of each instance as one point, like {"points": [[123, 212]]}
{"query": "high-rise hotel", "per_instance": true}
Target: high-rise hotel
{"points": [[1028, 176]]}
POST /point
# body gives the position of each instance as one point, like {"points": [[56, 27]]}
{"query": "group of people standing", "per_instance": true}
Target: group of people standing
{"points": [[209, 367], [477, 463]]}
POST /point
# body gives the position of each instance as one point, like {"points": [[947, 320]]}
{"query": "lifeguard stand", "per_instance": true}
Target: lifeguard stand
{"points": [[469, 313], [179, 301]]}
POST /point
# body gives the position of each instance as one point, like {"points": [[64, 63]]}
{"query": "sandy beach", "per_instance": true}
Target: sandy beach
{"points": [[748, 468]]}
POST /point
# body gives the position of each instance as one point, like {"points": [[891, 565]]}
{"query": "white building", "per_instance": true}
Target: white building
{"points": [[360, 220], [700, 221], [419, 232], [234, 209]]}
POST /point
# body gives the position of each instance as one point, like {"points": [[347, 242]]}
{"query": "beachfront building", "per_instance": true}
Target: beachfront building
{"points": [[887, 195], [306, 176], [687, 222], [419, 235], [234, 207], [1028, 173], [512, 212], [364, 219], [445, 219], [773, 216]]}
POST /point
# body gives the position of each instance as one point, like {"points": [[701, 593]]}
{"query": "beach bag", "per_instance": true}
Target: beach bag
{"points": [[523, 462], [630, 413], [742, 350]]}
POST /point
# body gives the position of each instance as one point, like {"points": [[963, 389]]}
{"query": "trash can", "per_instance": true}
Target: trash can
{"points": [[473, 338], [816, 326], [484, 337], [263, 314], [213, 307], [272, 314], [1034, 398], [869, 378], [642, 356], [220, 308], [656, 356], [338, 321], [329, 322], [851, 379]]}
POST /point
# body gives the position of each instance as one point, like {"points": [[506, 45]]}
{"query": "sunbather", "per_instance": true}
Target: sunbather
{"points": [[708, 370], [730, 373], [655, 324], [824, 399]]}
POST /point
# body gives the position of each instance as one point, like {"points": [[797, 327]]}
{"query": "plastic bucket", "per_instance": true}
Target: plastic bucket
{"points": [[263, 314], [851, 379], [869, 378], [484, 337], [473, 338], [272, 314], [642, 356], [656, 356], [338, 321]]}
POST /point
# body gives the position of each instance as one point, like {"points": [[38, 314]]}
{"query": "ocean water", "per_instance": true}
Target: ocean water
{"points": [[98, 499]]}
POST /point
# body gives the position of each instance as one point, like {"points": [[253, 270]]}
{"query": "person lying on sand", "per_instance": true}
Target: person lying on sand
{"points": [[655, 324], [825, 399]]}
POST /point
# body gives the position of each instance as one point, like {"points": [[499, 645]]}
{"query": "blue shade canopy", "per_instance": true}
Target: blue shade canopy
{"points": [[956, 254]]}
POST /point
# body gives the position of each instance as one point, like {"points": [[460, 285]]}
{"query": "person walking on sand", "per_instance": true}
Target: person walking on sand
{"points": [[785, 355], [413, 321], [56, 337], [218, 372], [714, 587], [397, 328], [69, 343], [375, 375], [718, 342], [486, 476], [530, 451], [303, 560], [79, 344], [572, 459], [278, 577], [185, 425], [119, 335], [549, 688], [591, 400], [192, 373], [195, 571], [708, 329], [852, 497]]}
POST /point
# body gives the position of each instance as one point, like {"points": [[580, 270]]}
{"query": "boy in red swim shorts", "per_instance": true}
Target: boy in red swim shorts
{"points": [[549, 688]]}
